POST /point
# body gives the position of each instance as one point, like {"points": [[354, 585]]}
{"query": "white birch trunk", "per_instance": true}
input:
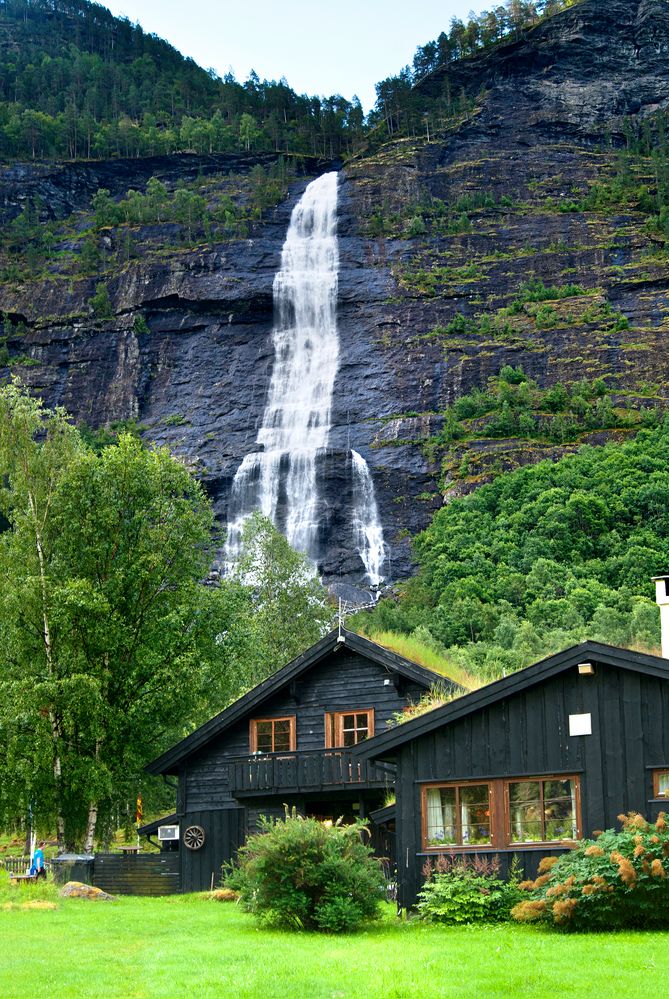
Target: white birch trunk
{"points": [[48, 653]]}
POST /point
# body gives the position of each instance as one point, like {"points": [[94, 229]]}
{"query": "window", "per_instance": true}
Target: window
{"points": [[348, 728], [502, 813], [272, 735], [661, 784], [541, 811], [457, 815]]}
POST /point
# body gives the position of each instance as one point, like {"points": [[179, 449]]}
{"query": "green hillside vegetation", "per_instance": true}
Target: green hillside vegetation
{"points": [[76, 82], [638, 179], [112, 232], [513, 406], [401, 105], [631, 177], [480, 31], [541, 558]]}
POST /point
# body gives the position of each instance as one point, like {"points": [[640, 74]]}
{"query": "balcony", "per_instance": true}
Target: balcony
{"points": [[312, 770]]}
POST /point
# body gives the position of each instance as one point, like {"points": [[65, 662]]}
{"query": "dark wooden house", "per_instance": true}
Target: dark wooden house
{"points": [[289, 741], [526, 765]]}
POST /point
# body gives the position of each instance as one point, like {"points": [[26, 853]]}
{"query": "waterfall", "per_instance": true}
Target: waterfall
{"points": [[279, 479], [367, 528]]}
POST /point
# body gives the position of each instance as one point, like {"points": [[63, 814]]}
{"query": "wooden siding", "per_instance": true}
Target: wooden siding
{"points": [[145, 874], [209, 780], [341, 681], [528, 734], [224, 831]]}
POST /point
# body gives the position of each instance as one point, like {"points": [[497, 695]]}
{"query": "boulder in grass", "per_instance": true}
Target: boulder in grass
{"points": [[77, 889]]}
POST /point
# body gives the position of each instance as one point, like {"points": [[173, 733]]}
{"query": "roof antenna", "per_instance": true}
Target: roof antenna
{"points": [[340, 637]]}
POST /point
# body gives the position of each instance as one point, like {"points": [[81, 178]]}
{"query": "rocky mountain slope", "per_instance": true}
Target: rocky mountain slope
{"points": [[438, 239]]}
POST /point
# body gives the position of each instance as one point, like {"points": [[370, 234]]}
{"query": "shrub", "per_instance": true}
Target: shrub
{"points": [[303, 874], [462, 891], [140, 325], [511, 375], [100, 303], [416, 226], [618, 880]]}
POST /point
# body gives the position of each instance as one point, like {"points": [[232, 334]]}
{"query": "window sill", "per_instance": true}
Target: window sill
{"points": [[563, 844]]}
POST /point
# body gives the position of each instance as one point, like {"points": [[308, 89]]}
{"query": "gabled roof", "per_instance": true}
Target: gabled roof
{"points": [[384, 746], [258, 695]]}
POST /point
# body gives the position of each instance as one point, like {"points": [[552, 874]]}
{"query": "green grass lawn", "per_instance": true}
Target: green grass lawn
{"points": [[188, 946]]}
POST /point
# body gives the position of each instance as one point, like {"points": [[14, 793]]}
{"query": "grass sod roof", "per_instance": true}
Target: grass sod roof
{"points": [[384, 746]]}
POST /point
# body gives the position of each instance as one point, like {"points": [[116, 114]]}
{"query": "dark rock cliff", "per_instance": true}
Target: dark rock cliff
{"points": [[588, 65], [537, 135]]}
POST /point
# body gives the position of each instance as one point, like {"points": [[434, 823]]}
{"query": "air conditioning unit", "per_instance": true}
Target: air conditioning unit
{"points": [[168, 832]]}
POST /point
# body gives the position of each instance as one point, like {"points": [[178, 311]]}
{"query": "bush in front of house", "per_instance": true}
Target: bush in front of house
{"points": [[304, 874], [618, 880], [466, 890]]}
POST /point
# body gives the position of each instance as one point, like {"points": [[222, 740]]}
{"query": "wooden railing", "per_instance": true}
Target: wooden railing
{"points": [[307, 769], [18, 865]]}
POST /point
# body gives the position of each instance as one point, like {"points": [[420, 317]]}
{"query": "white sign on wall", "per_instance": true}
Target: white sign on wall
{"points": [[580, 724]]}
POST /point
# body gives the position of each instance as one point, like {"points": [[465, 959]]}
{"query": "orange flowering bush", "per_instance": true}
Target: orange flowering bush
{"points": [[618, 880]]}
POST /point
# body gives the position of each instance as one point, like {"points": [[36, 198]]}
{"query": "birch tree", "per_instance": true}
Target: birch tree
{"points": [[289, 608], [36, 448], [107, 635]]}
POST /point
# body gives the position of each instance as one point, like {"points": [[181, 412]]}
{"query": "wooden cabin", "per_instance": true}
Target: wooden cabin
{"points": [[289, 741], [524, 766]]}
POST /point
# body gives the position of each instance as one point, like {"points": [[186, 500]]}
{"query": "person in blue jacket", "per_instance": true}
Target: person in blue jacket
{"points": [[37, 867]]}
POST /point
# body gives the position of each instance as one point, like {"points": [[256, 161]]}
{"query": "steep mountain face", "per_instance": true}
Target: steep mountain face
{"points": [[435, 238], [589, 65]]}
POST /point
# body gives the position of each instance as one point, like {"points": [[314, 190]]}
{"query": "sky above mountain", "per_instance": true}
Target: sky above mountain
{"points": [[320, 48]]}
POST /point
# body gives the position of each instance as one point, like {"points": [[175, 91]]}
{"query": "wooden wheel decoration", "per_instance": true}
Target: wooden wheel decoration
{"points": [[194, 837]]}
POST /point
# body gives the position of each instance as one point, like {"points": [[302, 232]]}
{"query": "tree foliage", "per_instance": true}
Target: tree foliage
{"points": [[77, 82], [288, 607], [402, 107], [111, 646], [106, 633], [543, 557], [513, 405], [480, 31]]}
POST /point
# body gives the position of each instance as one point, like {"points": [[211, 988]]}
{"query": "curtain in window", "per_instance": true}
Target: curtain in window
{"points": [[435, 818], [574, 826]]}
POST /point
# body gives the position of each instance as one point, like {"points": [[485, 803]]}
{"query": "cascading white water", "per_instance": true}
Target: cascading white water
{"points": [[367, 527], [296, 422]]}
